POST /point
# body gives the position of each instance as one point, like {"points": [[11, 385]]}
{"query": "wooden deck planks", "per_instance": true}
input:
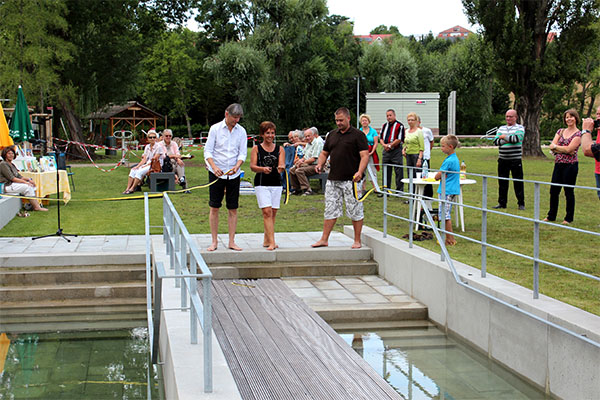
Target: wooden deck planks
{"points": [[278, 348]]}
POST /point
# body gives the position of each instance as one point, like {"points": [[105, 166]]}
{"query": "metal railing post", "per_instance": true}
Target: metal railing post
{"points": [[443, 213], [484, 214], [385, 198], [156, 312], [536, 240], [207, 330], [411, 224], [193, 291]]}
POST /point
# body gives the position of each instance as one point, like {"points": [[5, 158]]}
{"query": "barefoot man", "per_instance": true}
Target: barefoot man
{"points": [[225, 151], [349, 152]]}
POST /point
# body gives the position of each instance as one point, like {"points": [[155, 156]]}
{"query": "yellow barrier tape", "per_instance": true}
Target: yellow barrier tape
{"points": [[151, 195], [366, 194], [243, 284]]}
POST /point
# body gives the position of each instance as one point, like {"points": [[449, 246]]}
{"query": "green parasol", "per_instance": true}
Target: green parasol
{"points": [[20, 126]]}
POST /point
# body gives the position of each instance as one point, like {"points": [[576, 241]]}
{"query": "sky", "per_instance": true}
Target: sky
{"points": [[412, 17]]}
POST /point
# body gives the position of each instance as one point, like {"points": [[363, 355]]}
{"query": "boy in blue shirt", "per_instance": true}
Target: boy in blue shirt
{"points": [[449, 144]]}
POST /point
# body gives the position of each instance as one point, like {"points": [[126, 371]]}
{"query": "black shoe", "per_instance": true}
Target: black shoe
{"points": [[379, 194], [521, 207], [296, 192], [497, 206]]}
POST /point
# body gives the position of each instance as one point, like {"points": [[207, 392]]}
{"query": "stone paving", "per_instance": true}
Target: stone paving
{"points": [[361, 297], [137, 243]]}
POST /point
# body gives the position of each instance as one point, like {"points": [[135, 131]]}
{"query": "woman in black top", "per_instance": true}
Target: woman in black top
{"points": [[268, 161]]}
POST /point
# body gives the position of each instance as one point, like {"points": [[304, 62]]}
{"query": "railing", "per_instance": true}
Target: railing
{"points": [[441, 232], [180, 244]]}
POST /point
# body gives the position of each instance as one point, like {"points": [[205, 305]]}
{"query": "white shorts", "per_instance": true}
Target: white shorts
{"points": [[140, 172], [22, 189], [268, 196]]}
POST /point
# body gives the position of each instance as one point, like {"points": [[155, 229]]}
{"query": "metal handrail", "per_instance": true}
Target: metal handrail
{"points": [[445, 256], [178, 242]]}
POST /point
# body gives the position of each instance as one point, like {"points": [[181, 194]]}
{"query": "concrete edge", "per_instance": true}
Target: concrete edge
{"points": [[285, 255], [70, 259], [183, 362], [528, 347], [9, 207]]}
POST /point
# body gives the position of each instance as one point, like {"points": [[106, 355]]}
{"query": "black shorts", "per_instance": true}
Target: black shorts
{"points": [[230, 188]]}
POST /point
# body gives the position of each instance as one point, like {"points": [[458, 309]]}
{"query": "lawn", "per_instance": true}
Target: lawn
{"points": [[306, 214]]}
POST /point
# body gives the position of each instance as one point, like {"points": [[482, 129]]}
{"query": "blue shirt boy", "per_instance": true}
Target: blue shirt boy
{"points": [[452, 180]]}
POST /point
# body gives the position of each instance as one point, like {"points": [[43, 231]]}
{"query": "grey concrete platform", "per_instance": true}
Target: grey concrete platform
{"points": [[356, 298]]}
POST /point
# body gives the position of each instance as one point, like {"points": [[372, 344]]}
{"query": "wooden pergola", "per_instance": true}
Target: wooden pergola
{"points": [[128, 116]]}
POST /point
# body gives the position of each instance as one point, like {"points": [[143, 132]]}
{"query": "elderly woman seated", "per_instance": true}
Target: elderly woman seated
{"points": [[14, 183], [152, 151]]}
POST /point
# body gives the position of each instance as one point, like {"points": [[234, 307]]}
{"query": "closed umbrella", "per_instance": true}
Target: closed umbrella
{"points": [[20, 126], [5, 139]]}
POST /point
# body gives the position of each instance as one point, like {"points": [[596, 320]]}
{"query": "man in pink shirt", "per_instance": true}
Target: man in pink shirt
{"points": [[172, 150]]}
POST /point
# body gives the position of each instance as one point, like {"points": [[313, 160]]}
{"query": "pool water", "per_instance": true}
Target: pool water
{"points": [[78, 365], [422, 362]]}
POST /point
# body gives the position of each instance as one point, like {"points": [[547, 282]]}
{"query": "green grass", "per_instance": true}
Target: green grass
{"points": [[306, 214]]}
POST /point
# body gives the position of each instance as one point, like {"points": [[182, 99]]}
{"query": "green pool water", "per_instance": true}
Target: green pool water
{"points": [[425, 363], [79, 365]]}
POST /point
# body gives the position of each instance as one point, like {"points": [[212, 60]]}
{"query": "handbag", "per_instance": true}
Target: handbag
{"points": [[155, 166]]}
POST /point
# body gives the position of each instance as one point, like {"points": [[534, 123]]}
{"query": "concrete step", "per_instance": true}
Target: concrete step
{"points": [[28, 310], [354, 299], [370, 312], [49, 305], [106, 315], [263, 270], [358, 326], [73, 291], [307, 254], [73, 326], [66, 275]]}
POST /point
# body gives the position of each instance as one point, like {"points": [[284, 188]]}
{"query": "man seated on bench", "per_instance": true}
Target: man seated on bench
{"points": [[304, 167], [172, 150]]}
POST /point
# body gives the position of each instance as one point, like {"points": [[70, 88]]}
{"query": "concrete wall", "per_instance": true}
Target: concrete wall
{"points": [[9, 207], [566, 366]]}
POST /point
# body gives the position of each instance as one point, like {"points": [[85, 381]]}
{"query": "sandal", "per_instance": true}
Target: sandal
{"points": [[23, 214]]}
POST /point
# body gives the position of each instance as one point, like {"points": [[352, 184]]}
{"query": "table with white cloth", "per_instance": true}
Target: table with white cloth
{"points": [[45, 183], [419, 185]]}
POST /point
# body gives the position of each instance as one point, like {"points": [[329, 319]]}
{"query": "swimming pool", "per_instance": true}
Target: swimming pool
{"points": [[421, 362], [78, 365]]}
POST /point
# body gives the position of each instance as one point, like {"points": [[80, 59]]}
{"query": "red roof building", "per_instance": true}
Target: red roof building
{"points": [[454, 33], [373, 38]]}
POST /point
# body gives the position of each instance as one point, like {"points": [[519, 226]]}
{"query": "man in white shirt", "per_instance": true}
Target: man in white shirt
{"points": [[305, 166], [225, 152]]}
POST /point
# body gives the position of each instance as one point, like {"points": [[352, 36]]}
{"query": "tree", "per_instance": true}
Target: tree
{"points": [[527, 60], [32, 48], [384, 30], [170, 71]]}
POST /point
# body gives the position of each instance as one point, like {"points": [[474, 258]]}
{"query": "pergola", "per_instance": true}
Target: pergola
{"points": [[128, 116]]}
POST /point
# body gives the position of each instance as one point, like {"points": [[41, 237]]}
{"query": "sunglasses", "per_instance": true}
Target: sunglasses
{"points": [[151, 137]]}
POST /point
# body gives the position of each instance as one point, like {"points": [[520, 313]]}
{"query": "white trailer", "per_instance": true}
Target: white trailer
{"points": [[426, 105]]}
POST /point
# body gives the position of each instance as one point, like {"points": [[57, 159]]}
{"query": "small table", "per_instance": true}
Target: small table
{"points": [[45, 183], [420, 184]]}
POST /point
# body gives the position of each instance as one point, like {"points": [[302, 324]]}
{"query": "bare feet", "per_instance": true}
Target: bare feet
{"points": [[235, 247], [450, 242], [356, 245], [320, 243], [212, 247], [40, 209], [566, 223], [272, 247]]}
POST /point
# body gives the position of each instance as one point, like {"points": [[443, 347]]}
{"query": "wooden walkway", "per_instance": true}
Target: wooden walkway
{"points": [[278, 348]]}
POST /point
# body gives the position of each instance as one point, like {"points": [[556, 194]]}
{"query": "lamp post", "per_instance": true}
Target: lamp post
{"points": [[358, 78]]}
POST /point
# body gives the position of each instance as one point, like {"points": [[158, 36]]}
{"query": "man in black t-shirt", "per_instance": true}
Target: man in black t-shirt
{"points": [[348, 150]]}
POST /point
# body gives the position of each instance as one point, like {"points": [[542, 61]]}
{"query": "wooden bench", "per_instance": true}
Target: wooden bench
{"points": [[322, 177]]}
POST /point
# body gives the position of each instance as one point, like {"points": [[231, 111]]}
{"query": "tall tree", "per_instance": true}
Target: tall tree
{"points": [[32, 48], [170, 70], [527, 61]]}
